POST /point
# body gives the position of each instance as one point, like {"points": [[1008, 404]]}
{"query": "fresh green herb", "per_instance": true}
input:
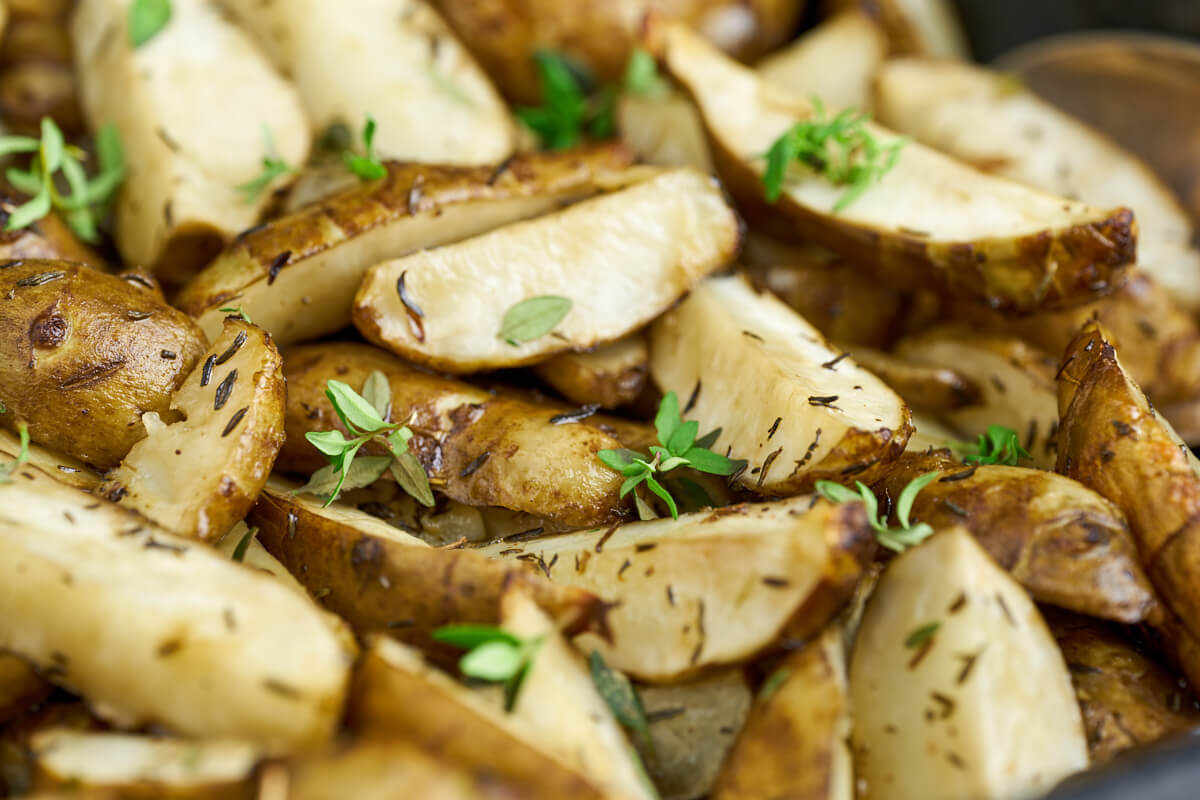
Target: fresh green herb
{"points": [[365, 421], [841, 149], [621, 697], [999, 445], [679, 448], [368, 167], [897, 539], [241, 312], [51, 155], [273, 167], [239, 552], [533, 318], [641, 75], [494, 655], [571, 106], [8, 468], [146, 19], [773, 682], [921, 635]]}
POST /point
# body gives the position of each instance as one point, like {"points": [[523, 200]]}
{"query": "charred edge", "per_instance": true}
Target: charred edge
{"points": [[532, 533], [168, 355], [579, 415], [234, 420], [241, 237], [958, 476], [224, 389], [833, 362], [207, 371], [500, 169], [40, 279], [277, 263], [692, 398], [234, 346], [469, 470]]}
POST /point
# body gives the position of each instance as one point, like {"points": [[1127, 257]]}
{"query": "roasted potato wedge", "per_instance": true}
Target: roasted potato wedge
{"points": [[795, 742], [925, 27], [663, 130], [1017, 382], [1126, 698], [221, 651], [17, 766], [62, 468], [931, 389], [852, 40], [540, 467], [987, 119], [929, 222], [50, 239], [504, 34], [1063, 542], [381, 579], [610, 376], [957, 687], [826, 416], [20, 688], [180, 203], [929, 433], [296, 276], [620, 259], [85, 354], [197, 477], [138, 766], [397, 696], [709, 588]]}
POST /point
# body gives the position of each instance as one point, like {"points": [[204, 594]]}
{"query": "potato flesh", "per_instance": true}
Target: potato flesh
{"points": [[62, 468], [185, 163], [609, 376], [620, 258], [926, 727], [709, 588], [732, 342], [665, 130], [154, 628]]}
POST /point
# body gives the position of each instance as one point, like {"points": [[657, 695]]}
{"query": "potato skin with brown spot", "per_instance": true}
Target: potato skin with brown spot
{"points": [[85, 354], [532, 465]]}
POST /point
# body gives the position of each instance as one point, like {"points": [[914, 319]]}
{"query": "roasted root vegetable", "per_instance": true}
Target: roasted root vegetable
{"points": [[201, 474], [50, 239], [610, 376], [20, 688], [85, 355], [922, 27], [925, 220], [710, 587], [825, 418], [664, 130], [924, 387], [957, 687], [62, 468], [588, 275]]}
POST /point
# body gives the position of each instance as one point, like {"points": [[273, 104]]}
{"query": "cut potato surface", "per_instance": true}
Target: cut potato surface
{"points": [[609, 376], [957, 686], [663, 130], [62, 468], [296, 276], [796, 407], [928, 222], [620, 259], [710, 587], [987, 119], [154, 628], [199, 476], [180, 202], [923, 387]]}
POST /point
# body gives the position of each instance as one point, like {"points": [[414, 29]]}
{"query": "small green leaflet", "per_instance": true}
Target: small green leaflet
{"points": [[239, 552], [773, 682], [368, 167], [378, 392], [533, 318], [494, 655], [8, 468], [895, 539], [273, 167], [571, 103], [241, 312], [999, 445], [620, 696], [146, 19], [641, 75], [841, 149], [921, 635], [363, 471]]}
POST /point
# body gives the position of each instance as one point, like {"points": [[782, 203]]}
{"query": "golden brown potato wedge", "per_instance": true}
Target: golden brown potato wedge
{"points": [[544, 468], [928, 222], [138, 766], [929, 433], [1063, 542], [85, 354], [957, 687], [931, 389], [664, 130], [151, 627], [32, 90], [49, 239], [825, 415], [610, 376], [1127, 699], [180, 203], [21, 688], [988, 119], [62, 468], [709, 588], [795, 742], [16, 760], [296, 276], [926, 27], [620, 259], [381, 579], [197, 477], [1017, 382], [397, 696], [852, 40]]}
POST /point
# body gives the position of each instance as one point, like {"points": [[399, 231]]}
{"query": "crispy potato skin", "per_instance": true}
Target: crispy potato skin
{"points": [[50, 238], [85, 354], [600, 34], [612, 375], [929, 389], [1127, 699], [1064, 543], [548, 470], [20, 688]]}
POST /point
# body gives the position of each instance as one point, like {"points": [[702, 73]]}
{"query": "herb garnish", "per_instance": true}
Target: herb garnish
{"points": [[146, 19], [641, 75], [8, 468], [239, 552], [921, 635], [571, 104], [368, 167], [533, 318], [494, 655], [999, 445], [239, 311], [897, 539], [50, 155], [679, 448], [841, 149], [365, 419], [621, 697], [273, 167]]}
